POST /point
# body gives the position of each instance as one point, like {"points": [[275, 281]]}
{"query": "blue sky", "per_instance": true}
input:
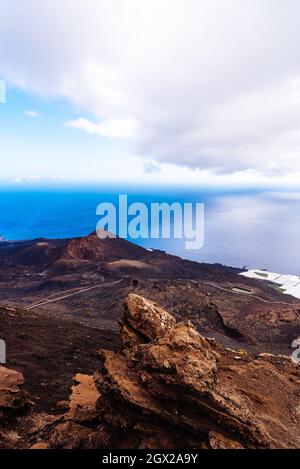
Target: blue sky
{"points": [[175, 92], [36, 146]]}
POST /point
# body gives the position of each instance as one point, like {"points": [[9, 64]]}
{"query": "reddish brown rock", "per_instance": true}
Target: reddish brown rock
{"points": [[147, 320], [83, 400], [171, 388], [12, 396], [218, 441], [70, 435], [172, 382], [40, 445]]}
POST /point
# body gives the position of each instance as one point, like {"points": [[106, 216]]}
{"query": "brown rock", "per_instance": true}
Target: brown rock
{"points": [[171, 381], [171, 388], [70, 435], [145, 319], [12, 397], [62, 404], [40, 445], [83, 400], [218, 441], [9, 439]]}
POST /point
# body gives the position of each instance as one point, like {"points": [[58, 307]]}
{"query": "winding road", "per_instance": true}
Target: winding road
{"points": [[50, 298], [53, 300]]}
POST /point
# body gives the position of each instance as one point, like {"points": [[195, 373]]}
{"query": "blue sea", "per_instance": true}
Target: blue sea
{"points": [[257, 229]]}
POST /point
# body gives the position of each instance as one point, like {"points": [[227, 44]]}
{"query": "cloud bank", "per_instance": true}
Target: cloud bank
{"points": [[210, 84]]}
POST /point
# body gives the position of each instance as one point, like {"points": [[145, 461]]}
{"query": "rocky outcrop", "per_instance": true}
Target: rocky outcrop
{"points": [[172, 388], [70, 435], [169, 388], [13, 399], [83, 400], [13, 403]]}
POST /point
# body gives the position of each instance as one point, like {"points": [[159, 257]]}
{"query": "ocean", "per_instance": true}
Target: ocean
{"points": [[257, 229]]}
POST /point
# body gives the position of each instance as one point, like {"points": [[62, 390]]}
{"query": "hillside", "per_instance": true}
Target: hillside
{"points": [[61, 301], [86, 280], [166, 387]]}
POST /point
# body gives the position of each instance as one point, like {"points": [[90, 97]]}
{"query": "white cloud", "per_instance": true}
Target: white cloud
{"points": [[112, 128], [33, 114], [26, 179], [210, 85], [36, 179]]}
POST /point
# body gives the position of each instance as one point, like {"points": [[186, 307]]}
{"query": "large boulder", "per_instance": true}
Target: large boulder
{"points": [[83, 400], [13, 398], [171, 386]]}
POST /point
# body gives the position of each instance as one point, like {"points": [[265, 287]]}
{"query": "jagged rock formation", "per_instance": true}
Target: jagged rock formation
{"points": [[83, 400], [172, 388], [13, 402], [13, 398], [168, 387]]}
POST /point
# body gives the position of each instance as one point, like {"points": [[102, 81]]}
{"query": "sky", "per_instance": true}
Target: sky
{"points": [[162, 91]]}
